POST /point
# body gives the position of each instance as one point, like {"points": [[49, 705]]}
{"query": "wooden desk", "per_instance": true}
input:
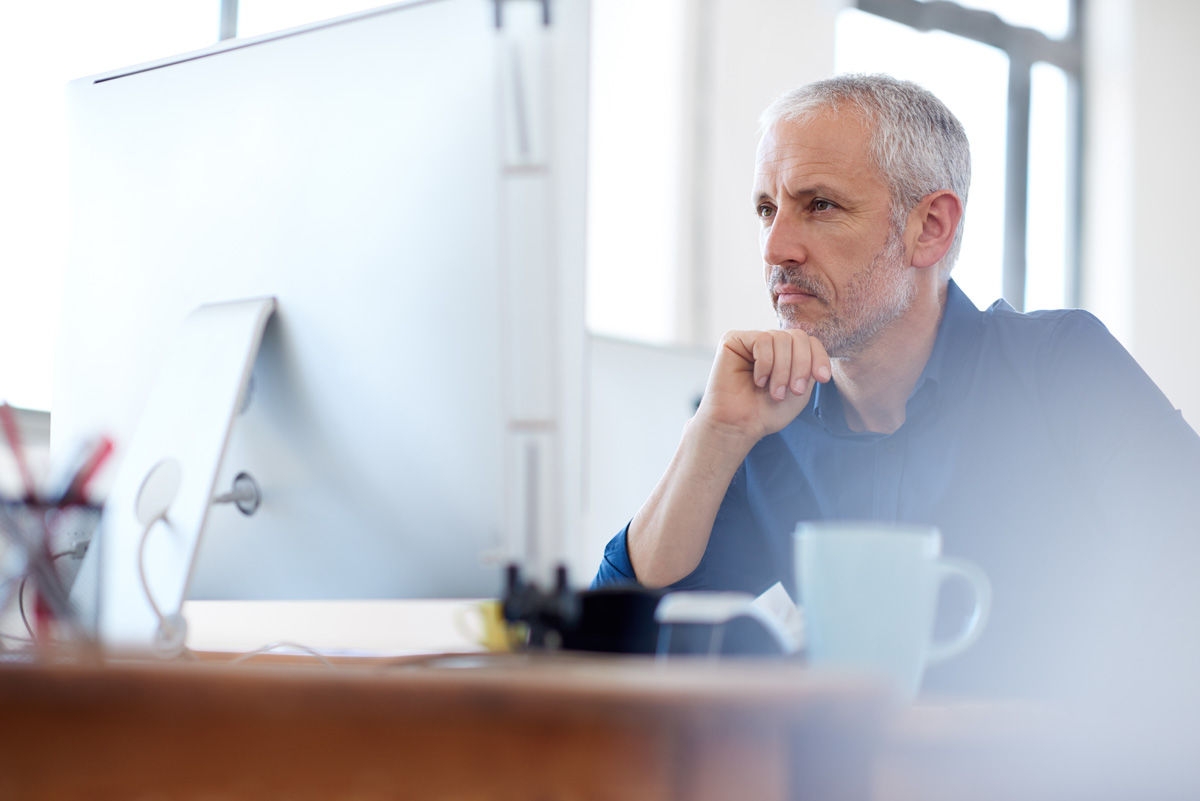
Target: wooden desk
{"points": [[510, 727]]}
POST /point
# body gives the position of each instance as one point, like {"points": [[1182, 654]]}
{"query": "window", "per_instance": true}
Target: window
{"points": [[44, 45], [256, 17], [637, 76], [1010, 71]]}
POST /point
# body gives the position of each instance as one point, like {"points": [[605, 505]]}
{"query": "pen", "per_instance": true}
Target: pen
{"points": [[9, 421], [76, 489]]}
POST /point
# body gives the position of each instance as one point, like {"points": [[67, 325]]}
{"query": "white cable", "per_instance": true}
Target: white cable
{"points": [[162, 619], [266, 649], [171, 636], [169, 626]]}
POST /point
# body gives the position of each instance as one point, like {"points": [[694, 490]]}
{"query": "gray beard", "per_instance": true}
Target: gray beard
{"points": [[875, 298]]}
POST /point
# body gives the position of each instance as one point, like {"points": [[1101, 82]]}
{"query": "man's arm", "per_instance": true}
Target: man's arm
{"points": [[760, 382]]}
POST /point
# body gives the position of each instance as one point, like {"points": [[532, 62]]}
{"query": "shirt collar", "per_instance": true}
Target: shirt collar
{"points": [[957, 337]]}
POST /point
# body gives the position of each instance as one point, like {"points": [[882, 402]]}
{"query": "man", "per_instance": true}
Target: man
{"points": [[1034, 442]]}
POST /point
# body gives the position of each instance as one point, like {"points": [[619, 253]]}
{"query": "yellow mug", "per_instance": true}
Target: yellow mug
{"points": [[483, 623]]}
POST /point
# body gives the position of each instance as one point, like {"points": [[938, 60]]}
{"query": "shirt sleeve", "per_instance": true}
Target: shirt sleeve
{"points": [[1136, 623], [1130, 443], [615, 567], [728, 563]]}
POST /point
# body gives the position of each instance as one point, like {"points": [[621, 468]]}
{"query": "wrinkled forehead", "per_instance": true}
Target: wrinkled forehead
{"points": [[825, 142]]}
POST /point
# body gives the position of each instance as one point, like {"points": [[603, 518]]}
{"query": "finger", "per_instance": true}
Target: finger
{"points": [[781, 372], [822, 368], [763, 352], [802, 358]]}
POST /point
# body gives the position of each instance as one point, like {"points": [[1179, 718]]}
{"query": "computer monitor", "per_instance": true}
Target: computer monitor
{"points": [[408, 185]]}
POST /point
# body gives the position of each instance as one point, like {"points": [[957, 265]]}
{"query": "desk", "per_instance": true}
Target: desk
{"points": [[527, 728]]}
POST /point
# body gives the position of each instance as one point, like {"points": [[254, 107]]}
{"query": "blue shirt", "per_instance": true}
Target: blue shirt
{"points": [[1038, 447]]}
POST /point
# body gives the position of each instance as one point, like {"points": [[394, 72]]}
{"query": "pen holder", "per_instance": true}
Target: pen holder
{"points": [[41, 550]]}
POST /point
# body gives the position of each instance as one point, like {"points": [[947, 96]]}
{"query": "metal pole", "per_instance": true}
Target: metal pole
{"points": [[1016, 184], [229, 20]]}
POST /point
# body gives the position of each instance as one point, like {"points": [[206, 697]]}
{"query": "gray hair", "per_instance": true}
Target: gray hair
{"points": [[917, 144]]}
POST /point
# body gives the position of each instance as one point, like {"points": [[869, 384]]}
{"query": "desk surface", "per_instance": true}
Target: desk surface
{"points": [[496, 727], [545, 728]]}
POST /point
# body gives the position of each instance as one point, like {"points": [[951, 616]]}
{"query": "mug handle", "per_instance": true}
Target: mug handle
{"points": [[471, 623], [973, 575]]}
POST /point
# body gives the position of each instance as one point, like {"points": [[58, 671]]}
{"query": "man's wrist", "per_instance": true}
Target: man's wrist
{"points": [[718, 441]]}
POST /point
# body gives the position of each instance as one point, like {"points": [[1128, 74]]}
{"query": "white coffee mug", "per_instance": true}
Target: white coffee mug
{"points": [[869, 592]]}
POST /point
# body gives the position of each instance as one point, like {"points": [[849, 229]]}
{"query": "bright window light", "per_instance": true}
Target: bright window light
{"points": [[1051, 17], [256, 17], [634, 172], [975, 88], [1050, 215], [42, 46]]}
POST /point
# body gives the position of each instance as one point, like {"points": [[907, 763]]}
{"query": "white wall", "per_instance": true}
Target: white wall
{"points": [[757, 50], [677, 89], [639, 398], [1166, 197], [1142, 191]]}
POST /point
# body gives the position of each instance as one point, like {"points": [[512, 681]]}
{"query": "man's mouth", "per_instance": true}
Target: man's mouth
{"points": [[795, 287], [787, 292], [790, 294]]}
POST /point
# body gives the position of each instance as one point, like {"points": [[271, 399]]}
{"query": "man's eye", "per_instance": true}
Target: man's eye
{"points": [[764, 211], [821, 204]]}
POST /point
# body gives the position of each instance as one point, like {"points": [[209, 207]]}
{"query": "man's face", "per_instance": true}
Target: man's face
{"points": [[834, 262]]}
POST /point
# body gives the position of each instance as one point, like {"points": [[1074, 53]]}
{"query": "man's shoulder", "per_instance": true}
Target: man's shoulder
{"points": [[1064, 359], [1046, 328], [1000, 343], [1001, 313], [1038, 360]]}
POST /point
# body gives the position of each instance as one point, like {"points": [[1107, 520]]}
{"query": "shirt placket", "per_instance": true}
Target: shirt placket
{"points": [[889, 473]]}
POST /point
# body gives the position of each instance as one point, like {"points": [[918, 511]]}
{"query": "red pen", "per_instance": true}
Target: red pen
{"points": [[9, 421], [76, 492]]}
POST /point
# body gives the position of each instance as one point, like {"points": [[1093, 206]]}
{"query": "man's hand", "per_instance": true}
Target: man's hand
{"points": [[760, 382]]}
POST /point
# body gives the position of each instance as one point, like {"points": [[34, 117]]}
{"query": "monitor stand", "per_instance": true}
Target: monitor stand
{"points": [[134, 578]]}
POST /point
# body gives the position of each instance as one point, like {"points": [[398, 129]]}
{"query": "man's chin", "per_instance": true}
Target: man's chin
{"points": [[791, 323]]}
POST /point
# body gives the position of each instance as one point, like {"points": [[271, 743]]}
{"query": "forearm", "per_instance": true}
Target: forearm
{"points": [[760, 382], [669, 534]]}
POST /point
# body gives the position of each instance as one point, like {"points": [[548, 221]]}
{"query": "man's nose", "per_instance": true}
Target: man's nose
{"points": [[783, 242]]}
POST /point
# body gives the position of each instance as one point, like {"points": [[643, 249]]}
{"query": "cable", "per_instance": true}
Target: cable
{"points": [[141, 562], [171, 636], [76, 551], [21, 607], [266, 649]]}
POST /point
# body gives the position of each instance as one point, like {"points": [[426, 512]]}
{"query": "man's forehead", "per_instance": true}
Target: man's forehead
{"points": [[824, 142]]}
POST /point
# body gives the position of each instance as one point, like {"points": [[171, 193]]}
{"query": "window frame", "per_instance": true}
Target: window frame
{"points": [[1024, 47]]}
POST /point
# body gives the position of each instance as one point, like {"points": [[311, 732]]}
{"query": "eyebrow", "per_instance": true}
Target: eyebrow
{"points": [[812, 190]]}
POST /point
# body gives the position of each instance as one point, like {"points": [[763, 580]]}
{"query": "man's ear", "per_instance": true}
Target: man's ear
{"points": [[934, 222]]}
